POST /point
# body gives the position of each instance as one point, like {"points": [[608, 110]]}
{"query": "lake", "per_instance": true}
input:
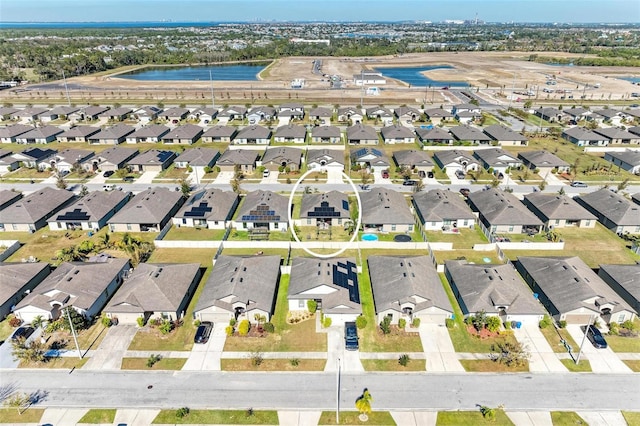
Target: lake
{"points": [[634, 80], [413, 76], [236, 72]]}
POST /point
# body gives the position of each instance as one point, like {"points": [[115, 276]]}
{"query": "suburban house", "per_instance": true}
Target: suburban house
{"points": [[161, 290], [324, 159], [245, 159], [584, 137], [261, 113], [211, 209], [396, 133], [544, 161], [321, 114], [577, 114], [495, 289], [571, 291], [435, 135], [65, 161], [203, 115], [28, 115], [624, 280], [6, 112], [8, 162], [292, 110], [78, 134], [111, 159], [8, 197], [61, 111], [635, 130], [370, 158], [282, 158], [414, 160], [186, 134], [368, 78], [90, 113], [502, 212], [610, 116], [385, 210], [31, 212], [45, 134], [465, 108], [9, 134], [197, 158], [253, 135], [444, 210], [497, 159], [324, 210], [559, 211], [618, 136], [470, 134], [360, 134], [628, 160], [263, 210], [613, 211], [408, 287], [219, 133], [149, 211], [352, 114], [113, 135], [438, 115], [152, 133], [240, 288], [326, 134], [407, 114], [456, 160], [380, 113], [505, 136], [146, 114], [331, 283], [233, 113], [549, 114], [152, 161], [18, 280], [174, 115], [89, 213], [466, 117], [83, 286], [290, 133], [35, 157], [116, 114]]}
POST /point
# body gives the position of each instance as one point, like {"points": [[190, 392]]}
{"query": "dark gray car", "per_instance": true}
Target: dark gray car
{"points": [[350, 336], [203, 332]]}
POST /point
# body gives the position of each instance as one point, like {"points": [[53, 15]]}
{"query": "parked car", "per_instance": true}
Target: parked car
{"points": [[109, 187], [409, 182], [460, 174], [108, 173], [430, 175], [465, 192], [578, 184], [595, 337], [203, 332], [265, 173], [22, 332], [385, 174], [350, 336]]}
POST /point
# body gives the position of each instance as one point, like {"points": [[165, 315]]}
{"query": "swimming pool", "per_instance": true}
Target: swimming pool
{"points": [[369, 237]]}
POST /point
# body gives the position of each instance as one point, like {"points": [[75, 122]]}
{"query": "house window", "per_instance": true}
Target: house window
{"points": [[587, 223], [464, 223], [301, 304], [621, 318], [128, 227], [308, 221], [410, 228], [14, 226], [511, 228], [244, 225], [184, 221], [393, 227], [275, 225], [557, 221], [433, 224]]}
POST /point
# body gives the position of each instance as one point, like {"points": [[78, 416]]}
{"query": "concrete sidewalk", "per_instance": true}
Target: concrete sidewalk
{"points": [[530, 418], [109, 354], [438, 348], [207, 356], [601, 360], [543, 359]]}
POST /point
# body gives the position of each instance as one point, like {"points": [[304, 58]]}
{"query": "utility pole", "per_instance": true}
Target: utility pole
{"points": [[213, 100], [66, 89], [362, 89], [586, 330], [338, 393], [73, 332]]}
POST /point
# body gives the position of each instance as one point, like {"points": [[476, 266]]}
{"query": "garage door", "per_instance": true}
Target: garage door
{"points": [[216, 318], [432, 318], [577, 319]]}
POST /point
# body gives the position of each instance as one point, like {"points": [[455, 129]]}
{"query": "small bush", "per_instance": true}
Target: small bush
{"points": [[562, 324], [416, 322], [404, 360], [153, 359], [243, 328], [256, 359], [544, 322], [197, 323], [493, 324], [385, 325], [488, 413], [312, 306], [628, 325], [232, 322], [106, 321], [326, 323], [229, 330], [294, 362], [165, 327], [182, 412], [268, 327], [449, 322], [402, 323], [614, 328], [14, 321], [468, 320], [507, 325], [249, 412], [140, 321], [361, 322]]}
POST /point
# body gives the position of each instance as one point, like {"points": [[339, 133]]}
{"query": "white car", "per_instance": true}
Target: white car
{"points": [[265, 174]]}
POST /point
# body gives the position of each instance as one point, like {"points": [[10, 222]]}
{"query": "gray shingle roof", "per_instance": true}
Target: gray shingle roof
{"points": [[397, 280], [41, 132], [218, 203], [580, 133], [468, 133], [438, 113], [250, 280], [291, 131], [72, 155], [406, 110], [198, 156], [233, 110], [434, 134], [615, 133], [114, 132], [503, 133], [282, 155], [627, 277], [150, 206], [254, 131], [373, 156], [628, 157], [361, 132], [14, 276], [502, 208], [554, 206], [616, 208], [15, 130], [396, 131], [238, 156], [326, 132], [7, 197], [542, 159], [80, 131], [174, 112], [438, 205], [153, 157], [454, 156], [116, 155], [277, 203], [185, 131], [385, 206], [412, 158], [93, 206], [320, 112], [332, 199], [496, 157], [330, 155], [35, 206], [151, 131], [220, 131], [116, 112]]}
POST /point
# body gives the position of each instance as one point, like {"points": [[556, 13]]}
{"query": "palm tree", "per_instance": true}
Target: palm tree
{"points": [[363, 404], [37, 321]]}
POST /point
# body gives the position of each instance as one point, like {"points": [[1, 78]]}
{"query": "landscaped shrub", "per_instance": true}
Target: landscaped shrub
{"points": [[294, 362], [385, 325], [166, 327], [256, 359], [229, 330], [312, 306], [479, 320], [106, 321], [493, 324], [326, 322], [449, 322], [488, 413], [404, 360], [153, 359], [402, 323], [268, 327], [614, 328], [182, 412], [243, 328], [562, 324], [140, 321], [14, 321], [544, 322], [361, 322], [416, 322], [628, 325], [232, 322], [507, 325], [197, 323]]}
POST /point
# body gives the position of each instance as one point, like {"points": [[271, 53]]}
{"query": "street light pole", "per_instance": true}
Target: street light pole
{"points": [[586, 330], [338, 393], [73, 332]]}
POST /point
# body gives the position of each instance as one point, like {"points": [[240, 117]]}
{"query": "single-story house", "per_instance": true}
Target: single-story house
{"points": [[18, 280], [628, 160], [326, 134], [261, 113], [204, 115], [438, 115], [571, 291], [456, 160], [324, 210], [441, 209], [408, 287], [396, 133], [414, 160], [360, 134], [9, 134], [434, 135], [78, 134], [497, 159], [370, 158], [90, 212], [240, 288], [321, 114], [264, 210], [219, 133], [45, 134], [502, 212], [8, 197], [83, 286], [584, 137], [211, 209], [31, 212], [549, 114], [31, 158], [197, 158], [380, 113], [613, 211], [385, 210], [90, 113], [253, 135], [331, 283], [559, 211], [185, 134], [291, 110], [152, 161], [6, 112], [174, 115], [291, 133], [28, 115], [64, 161], [470, 134], [61, 111], [352, 114], [233, 113], [324, 159], [282, 157], [8, 162], [577, 114], [152, 133], [161, 290], [625, 281], [146, 114], [618, 136], [113, 135], [244, 158], [150, 210], [368, 78], [111, 159], [466, 117], [634, 129], [497, 290], [607, 116], [544, 161], [407, 114], [465, 108], [505, 136], [116, 114]]}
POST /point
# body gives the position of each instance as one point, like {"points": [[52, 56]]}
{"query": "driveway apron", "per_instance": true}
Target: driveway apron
{"points": [[438, 348], [108, 356]]}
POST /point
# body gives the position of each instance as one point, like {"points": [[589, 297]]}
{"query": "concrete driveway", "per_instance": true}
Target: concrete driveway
{"points": [[438, 348], [224, 178], [6, 358], [451, 174], [108, 356], [543, 359], [552, 179], [349, 360], [135, 417], [147, 177], [333, 175], [62, 416], [602, 418], [207, 356], [601, 360], [272, 178]]}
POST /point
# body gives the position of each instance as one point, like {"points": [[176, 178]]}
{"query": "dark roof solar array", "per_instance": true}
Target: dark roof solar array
{"points": [[199, 211], [346, 276]]}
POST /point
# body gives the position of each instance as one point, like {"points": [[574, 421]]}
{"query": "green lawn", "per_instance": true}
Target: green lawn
{"points": [[632, 417], [97, 415], [623, 344], [555, 335], [490, 366], [5, 330], [584, 366], [187, 233], [633, 364], [469, 255], [566, 418], [380, 418], [163, 364], [220, 417], [11, 415], [464, 239], [246, 364], [460, 418], [240, 235], [393, 365], [254, 251], [64, 363]]}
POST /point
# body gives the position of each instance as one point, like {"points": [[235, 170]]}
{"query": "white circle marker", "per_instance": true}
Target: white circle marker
{"points": [[355, 231]]}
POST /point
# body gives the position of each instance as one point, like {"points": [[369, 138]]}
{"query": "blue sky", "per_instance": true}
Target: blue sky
{"points": [[338, 10]]}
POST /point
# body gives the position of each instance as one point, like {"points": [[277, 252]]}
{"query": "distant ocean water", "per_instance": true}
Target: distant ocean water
{"points": [[137, 24]]}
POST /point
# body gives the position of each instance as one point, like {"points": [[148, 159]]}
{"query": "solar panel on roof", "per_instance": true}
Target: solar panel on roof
{"points": [[74, 215]]}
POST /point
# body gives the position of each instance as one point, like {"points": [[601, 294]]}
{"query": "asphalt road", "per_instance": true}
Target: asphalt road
{"points": [[399, 391]]}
